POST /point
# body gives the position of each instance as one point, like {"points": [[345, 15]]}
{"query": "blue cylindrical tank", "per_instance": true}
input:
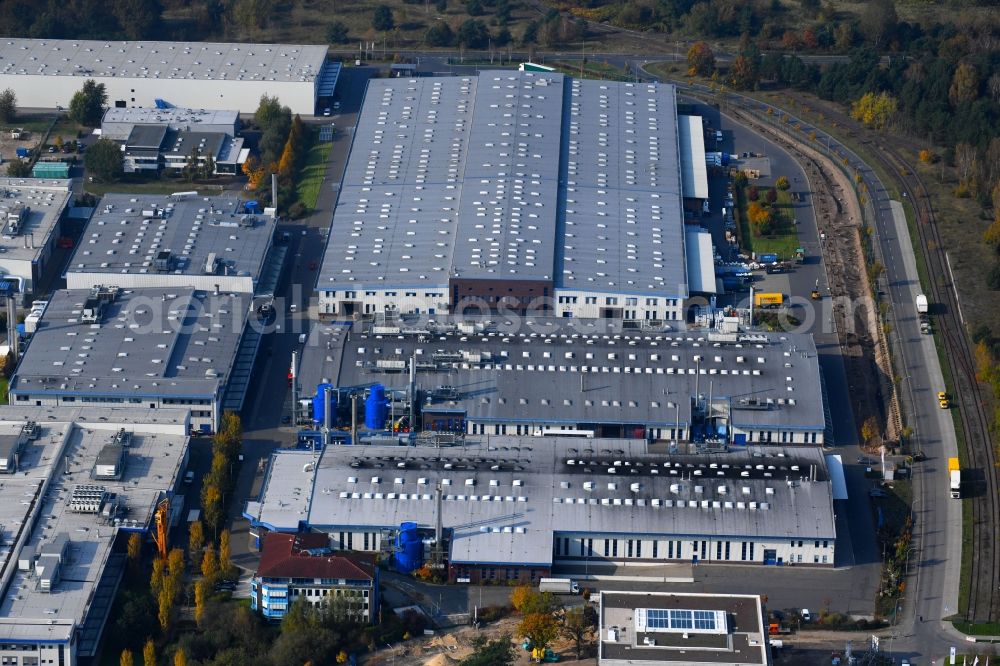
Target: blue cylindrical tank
{"points": [[318, 405], [409, 548], [251, 206], [376, 408]]}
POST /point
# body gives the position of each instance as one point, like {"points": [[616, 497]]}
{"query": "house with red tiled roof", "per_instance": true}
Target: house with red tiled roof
{"points": [[303, 566]]}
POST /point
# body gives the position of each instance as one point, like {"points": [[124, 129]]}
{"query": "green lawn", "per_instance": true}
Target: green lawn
{"points": [[3, 390], [982, 629], [311, 178], [593, 70], [783, 240], [130, 186], [31, 123]]}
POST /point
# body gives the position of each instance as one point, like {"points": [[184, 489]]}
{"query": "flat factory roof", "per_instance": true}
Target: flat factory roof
{"points": [[128, 232], [20, 492], [149, 343], [179, 144], [167, 60], [148, 138], [117, 120], [47, 200], [579, 371], [630, 634], [694, 169], [511, 176], [624, 226], [505, 497], [701, 261], [167, 421], [152, 465]]}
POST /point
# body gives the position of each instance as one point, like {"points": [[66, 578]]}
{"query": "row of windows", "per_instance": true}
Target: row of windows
{"points": [[369, 539], [786, 437], [673, 549]]}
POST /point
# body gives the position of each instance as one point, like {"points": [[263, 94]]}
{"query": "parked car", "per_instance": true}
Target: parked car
{"points": [[865, 460]]}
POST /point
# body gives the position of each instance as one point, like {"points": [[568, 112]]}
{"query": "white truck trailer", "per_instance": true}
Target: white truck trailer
{"points": [[558, 586]]}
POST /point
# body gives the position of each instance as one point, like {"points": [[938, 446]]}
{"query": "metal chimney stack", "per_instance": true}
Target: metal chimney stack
{"points": [[12, 323], [295, 386], [274, 192]]}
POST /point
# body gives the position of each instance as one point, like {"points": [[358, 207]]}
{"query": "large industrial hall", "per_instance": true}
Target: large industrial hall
{"points": [[195, 75], [514, 508], [582, 377], [517, 190]]}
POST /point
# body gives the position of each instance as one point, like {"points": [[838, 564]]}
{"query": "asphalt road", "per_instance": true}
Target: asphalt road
{"points": [[932, 590], [269, 400]]}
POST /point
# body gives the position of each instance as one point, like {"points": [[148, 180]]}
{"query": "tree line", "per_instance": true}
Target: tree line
{"points": [[282, 147]]}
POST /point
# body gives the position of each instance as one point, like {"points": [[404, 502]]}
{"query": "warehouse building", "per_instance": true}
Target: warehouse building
{"points": [[63, 530], [576, 376], [144, 240], [47, 72], [512, 190], [149, 348], [304, 566], [32, 212], [117, 123], [518, 508], [666, 628]]}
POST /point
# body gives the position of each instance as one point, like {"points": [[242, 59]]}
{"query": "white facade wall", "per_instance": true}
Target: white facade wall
{"points": [[425, 300], [590, 305], [209, 415], [567, 303], [323, 595], [474, 426], [243, 284], [21, 268], [361, 540], [624, 549], [780, 436], [32, 653], [52, 91]]}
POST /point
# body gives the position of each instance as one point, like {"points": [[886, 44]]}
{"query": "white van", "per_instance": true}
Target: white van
{"points": [[189, 478]]}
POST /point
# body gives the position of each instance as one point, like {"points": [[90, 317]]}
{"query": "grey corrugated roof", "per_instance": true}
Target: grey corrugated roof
{"points": [[145, 346], [624, 227], [536, 488], [515, 176], [577, 371], [397, 213], [180, 144], [116, 119], [153, 59], [120, 239], [507, 217], [146, 137]]}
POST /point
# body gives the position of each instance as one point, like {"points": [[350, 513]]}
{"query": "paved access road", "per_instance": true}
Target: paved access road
{"points": [[268, 400], [933, 589]]}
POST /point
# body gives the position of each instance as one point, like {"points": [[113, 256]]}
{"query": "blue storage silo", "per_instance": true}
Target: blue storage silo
{"points": [[409, 548], [319, 404], [376, 408]]}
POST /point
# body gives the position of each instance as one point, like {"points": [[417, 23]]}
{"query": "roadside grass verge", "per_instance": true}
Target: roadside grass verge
{"points": [[784, 240], [134, 186], [313, 170]]}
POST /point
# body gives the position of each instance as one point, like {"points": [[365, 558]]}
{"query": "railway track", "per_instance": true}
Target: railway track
{"points": [[980, 478]]}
